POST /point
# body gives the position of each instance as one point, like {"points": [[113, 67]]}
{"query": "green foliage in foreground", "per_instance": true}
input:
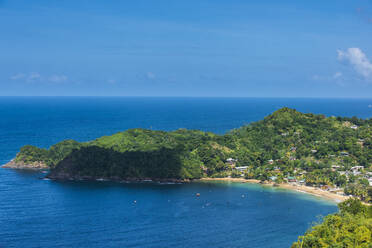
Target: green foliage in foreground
{"points": [[295, 141], [351, 227]]}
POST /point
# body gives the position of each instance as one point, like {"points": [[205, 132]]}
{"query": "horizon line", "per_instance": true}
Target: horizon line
{"points": [[268, 97]]}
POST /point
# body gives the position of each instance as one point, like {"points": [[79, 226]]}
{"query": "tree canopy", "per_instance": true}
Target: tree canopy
{"points": [[292, 140]]}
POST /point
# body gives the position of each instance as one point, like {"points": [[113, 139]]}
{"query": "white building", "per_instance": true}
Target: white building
{"points": [[241, 168], [231, 161], [357, 168]]}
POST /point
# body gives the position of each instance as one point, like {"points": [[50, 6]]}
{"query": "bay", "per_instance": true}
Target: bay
{"points": [[41, 213]]}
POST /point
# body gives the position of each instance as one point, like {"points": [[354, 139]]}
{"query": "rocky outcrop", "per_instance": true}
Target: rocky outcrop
{"points": [[30, 166]]}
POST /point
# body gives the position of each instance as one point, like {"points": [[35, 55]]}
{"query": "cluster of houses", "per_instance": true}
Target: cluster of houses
{"points": [[232, 163], [355, 170]]}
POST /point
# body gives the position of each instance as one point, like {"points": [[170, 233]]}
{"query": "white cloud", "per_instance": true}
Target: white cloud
{"points": [[37, 77], [57, 78], [337, 75], [359, 61], [34, 76], [18, 76]]}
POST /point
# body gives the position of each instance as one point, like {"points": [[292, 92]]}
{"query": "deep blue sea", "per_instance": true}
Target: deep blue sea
{"points": [[41, 213]]}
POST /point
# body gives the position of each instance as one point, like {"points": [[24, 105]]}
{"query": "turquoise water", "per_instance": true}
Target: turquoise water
{"points": [[41, 213]]}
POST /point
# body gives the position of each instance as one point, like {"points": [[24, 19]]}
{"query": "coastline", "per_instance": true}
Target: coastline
{"points": [[299, 188], [289, 186], [67, 177], [12, 164]]}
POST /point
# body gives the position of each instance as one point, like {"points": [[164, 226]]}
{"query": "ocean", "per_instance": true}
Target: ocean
{"points": [[41, 213]]}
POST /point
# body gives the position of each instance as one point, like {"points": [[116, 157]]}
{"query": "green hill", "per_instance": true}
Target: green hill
{"points": [[314, 149]]}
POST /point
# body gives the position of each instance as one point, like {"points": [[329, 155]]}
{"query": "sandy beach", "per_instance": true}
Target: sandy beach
{"points": [[300, 188]]}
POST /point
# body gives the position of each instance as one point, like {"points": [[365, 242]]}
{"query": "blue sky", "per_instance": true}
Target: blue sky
{"points": [[186, 48]]}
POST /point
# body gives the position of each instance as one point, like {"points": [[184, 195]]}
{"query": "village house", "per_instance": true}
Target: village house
{"points": [[273, 178], [346, 124], [356, 170], [231, 162], [241, 168], [270, 161], [354, 127], [291, 179]]}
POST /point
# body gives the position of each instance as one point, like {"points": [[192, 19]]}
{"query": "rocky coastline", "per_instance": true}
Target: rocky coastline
{"points": [[25, 166]]}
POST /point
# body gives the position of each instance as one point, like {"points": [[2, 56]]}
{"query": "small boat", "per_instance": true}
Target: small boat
{"points": [[198, 194]]}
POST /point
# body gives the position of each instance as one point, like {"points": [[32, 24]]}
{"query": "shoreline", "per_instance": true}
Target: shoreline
{"points": [[294, 187], [12, 164], [299, 188]]}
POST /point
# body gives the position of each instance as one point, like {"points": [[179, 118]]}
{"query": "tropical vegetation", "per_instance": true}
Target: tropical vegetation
{"points": [[351, 227], [330, 152]]}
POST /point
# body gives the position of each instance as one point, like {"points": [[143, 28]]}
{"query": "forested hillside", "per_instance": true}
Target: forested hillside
{"points": [[286, 145]]}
